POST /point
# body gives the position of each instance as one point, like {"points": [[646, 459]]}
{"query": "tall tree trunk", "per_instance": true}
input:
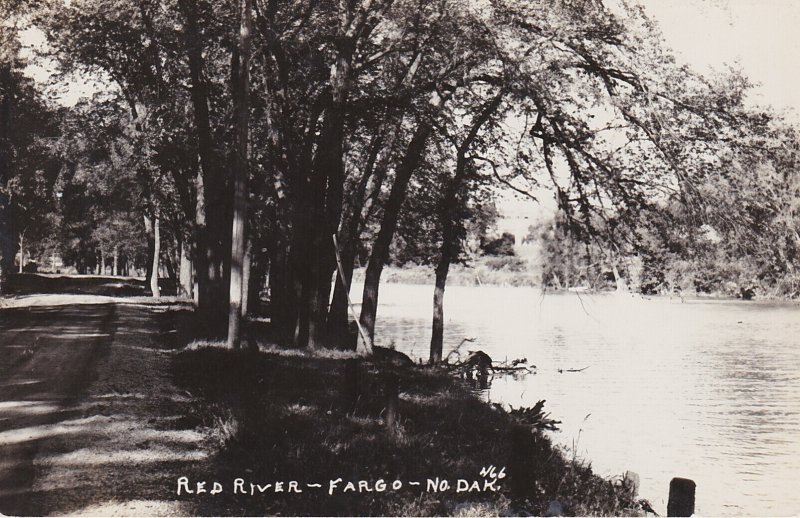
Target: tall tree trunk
{"points": [[114, 270], [171, 268], [21, 251], [282, 306], [437, 336], [7, 98], [201, 246], [186, 284], [327, 196], [246, 277], [301, 286], [156, 256], [260, 271], [380, 248], [452, 204], [6, 244], [242, 111], [210, 191], [338, 320], [148, 229], [102, 262], [307, 200]]}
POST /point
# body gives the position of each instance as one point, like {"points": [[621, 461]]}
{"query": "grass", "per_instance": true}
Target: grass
{"points": [[282, 416]]}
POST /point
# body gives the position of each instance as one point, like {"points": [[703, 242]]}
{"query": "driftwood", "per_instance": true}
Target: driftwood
{"points": [[518, 368], [478, 360], [573, 370], [482, 363], [457, 348], [517, 365]]}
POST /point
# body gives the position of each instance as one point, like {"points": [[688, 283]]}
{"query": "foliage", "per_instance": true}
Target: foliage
{"points": [[27, 170], [99, 191], [503, 245], [534, 416], [393, 124], [680, 253], [567, 262], [419, 229], [507, 262]]}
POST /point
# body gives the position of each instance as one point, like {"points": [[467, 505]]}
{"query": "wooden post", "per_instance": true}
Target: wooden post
{"points": [[681, 497], [391, 391]]}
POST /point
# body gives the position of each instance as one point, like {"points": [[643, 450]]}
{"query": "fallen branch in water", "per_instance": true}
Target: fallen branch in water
{"points": [[518, 368], [574, 370], [482, 362], [456, 348], [517, 365]]}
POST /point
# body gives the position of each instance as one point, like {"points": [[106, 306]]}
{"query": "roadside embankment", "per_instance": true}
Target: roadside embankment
{"points": [[320, 434]]}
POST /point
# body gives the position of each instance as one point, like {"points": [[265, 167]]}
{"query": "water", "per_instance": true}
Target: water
{"points": [[707, 390]]}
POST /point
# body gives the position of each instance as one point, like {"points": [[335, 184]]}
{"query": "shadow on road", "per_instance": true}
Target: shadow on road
{"points": [[90, 420], [36, 283]]}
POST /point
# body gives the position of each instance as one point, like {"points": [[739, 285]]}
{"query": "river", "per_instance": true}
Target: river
{"points": [[703, 389]]}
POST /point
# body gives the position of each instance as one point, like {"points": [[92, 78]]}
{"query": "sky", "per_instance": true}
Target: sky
{"points": [[762, 36]]}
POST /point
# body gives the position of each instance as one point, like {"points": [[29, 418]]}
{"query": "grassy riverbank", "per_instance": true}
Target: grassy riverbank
{"points": [[493, 271], [283, 416]]}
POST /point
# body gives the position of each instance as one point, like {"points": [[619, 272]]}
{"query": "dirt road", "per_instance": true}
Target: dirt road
{"points": [[90, 421]]}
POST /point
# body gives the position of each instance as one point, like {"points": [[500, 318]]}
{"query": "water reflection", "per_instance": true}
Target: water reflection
{"points": [[706, 390]]}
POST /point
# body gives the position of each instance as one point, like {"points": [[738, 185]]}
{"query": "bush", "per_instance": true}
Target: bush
{"points": [[507, 263], [503, 245]]}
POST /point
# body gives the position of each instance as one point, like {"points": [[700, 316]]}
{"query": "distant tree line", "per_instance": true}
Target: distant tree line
{"points": [[671, 253], [233, 139]]}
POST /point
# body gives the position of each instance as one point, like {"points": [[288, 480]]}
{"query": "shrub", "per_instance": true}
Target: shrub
{"points": [[507, 263], [503, 245]]}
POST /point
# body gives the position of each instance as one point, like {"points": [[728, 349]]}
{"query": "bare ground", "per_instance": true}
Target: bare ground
{"points": [[90, 421]]}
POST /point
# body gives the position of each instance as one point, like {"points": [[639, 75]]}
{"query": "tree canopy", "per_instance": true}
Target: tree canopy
{"points": [[375, 119]]}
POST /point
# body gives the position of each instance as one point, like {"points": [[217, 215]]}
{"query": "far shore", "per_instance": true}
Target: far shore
{"points": [[480, 276]]}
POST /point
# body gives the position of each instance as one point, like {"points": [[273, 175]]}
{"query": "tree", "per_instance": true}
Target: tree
{"points": [[453, 203], [27, 173], [242, 109], [9, 78], [366, 115], [97, 190]]}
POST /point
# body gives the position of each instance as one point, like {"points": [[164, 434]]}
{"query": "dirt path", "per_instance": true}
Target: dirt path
{"points": [[90, 421]]}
